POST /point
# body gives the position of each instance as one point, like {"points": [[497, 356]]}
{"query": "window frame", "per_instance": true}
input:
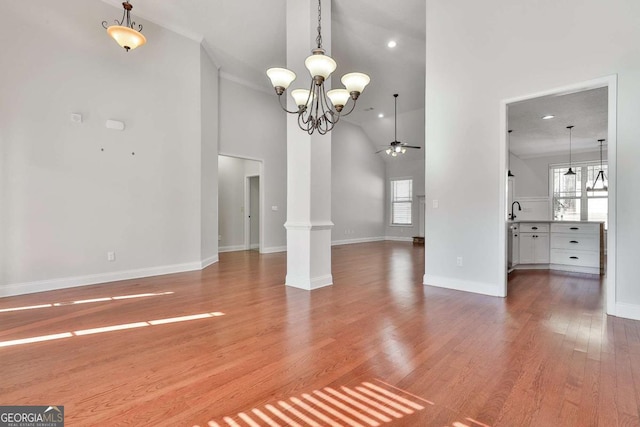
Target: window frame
{"points": [[585, 195], [392, 201]]}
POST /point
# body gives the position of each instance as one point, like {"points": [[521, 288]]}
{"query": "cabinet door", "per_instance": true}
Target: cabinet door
{"points": [[541, 250], [515, 249], [527, 252]]}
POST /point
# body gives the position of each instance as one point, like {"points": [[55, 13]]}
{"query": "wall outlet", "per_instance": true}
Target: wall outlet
{"points": [[435, 204], [459, 261], [111, 256]]}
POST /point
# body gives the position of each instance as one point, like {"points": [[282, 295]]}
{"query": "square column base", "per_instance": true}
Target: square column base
{"points": [[309, 255]]}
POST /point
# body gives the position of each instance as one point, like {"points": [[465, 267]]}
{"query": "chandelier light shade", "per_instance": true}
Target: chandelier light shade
{"points": [[124, 32], [570, 171], [319, 109], [601, 178]]}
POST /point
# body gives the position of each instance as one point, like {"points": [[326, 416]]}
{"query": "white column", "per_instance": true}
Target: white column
{"points": [[308, 160]]}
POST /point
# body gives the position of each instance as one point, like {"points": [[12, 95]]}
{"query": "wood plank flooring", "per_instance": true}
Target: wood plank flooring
{"points": [[376, 348]]}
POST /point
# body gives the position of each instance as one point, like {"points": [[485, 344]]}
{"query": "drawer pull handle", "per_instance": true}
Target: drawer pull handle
{"points": [[534, 228], [574, 228], [573, 257], [574, 241]]}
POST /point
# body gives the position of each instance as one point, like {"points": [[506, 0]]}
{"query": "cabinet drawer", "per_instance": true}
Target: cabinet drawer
{"points": [[575, 228], [577, 258], [582, 242], [531, 227]]}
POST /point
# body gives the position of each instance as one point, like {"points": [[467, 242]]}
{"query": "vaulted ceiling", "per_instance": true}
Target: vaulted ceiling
{"points": [[245, 37]]}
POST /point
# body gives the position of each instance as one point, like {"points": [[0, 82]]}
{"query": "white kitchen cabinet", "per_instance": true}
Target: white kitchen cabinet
{"points": [[534, 248], [576, 247]]}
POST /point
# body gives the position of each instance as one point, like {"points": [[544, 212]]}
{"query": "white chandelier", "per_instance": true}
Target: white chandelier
{"points": [[123, 32], [315, 110]]}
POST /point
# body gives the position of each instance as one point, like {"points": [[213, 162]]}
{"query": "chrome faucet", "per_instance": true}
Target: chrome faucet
{"points": [[513, 216]]}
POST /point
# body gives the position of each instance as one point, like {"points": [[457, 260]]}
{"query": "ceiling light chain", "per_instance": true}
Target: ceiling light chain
{"points": [[123, 32], [315, 111]]}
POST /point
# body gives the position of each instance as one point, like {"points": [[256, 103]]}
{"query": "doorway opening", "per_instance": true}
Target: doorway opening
{"points": [[252, 212], [240, 204], [533, 184]]}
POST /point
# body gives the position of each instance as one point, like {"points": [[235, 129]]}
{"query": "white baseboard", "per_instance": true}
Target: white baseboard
{"points": [[309, 284], [274, 249], [359, 240], [398, 238], [231, 248], [463, 285], [94, 279], [208, 261], [628, 311]]}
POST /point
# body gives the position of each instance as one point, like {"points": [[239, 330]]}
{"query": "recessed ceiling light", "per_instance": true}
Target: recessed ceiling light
{"points": [[548, 116], [380, 115], [392, 44]]}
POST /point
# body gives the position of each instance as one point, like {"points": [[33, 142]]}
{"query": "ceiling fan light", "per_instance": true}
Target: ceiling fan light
{"points": [[281, 77], [397, 149], [338, 97], [394, 154], [321, 65], [355, 82], [388, 150], [302, 97], [126, 37], [404, 150]]}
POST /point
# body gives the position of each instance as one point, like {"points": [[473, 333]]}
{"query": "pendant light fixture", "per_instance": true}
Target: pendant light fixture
{"points": [[315, 110], [123, 32], [509, 174], [600, 176], [570, 171]]}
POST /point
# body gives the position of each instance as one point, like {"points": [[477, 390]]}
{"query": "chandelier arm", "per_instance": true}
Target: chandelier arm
{"points": [[285, 108], [353, 106], [125, 15]]}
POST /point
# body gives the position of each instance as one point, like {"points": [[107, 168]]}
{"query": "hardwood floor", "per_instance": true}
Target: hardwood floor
{"points": [[376, 348]]}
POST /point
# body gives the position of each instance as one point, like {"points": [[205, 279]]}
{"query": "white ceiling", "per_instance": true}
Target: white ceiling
{"points": [[534, 137], [246, 37]]}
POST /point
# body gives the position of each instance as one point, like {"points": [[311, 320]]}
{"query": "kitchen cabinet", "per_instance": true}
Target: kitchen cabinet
{"points": [[534, 243], [577, 246]]}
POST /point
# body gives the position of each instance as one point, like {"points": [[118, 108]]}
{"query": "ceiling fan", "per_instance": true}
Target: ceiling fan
{"points": [[396, 147]]}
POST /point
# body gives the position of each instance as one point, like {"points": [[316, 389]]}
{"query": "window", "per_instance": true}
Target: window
{"points": [[571, 200], [401, 201]]}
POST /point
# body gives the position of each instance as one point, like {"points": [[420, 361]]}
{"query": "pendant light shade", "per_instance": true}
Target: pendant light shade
{"points": [[570, 171], [124, 32], [601, 178]]}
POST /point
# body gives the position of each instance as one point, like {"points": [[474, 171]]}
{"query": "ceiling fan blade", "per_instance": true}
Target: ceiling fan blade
{"points": [[411, 146], [380, 151]]}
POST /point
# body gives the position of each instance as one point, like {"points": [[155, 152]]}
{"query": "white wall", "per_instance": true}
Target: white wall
{"points": [[66, 201], [479, 55], [357, 187], [253, 126], [408, 165], [209, 94]]}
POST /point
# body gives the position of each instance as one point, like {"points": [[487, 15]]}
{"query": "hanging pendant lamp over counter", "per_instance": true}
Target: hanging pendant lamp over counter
{"points": [[570, 171], [509, 174], [601, 177]]}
